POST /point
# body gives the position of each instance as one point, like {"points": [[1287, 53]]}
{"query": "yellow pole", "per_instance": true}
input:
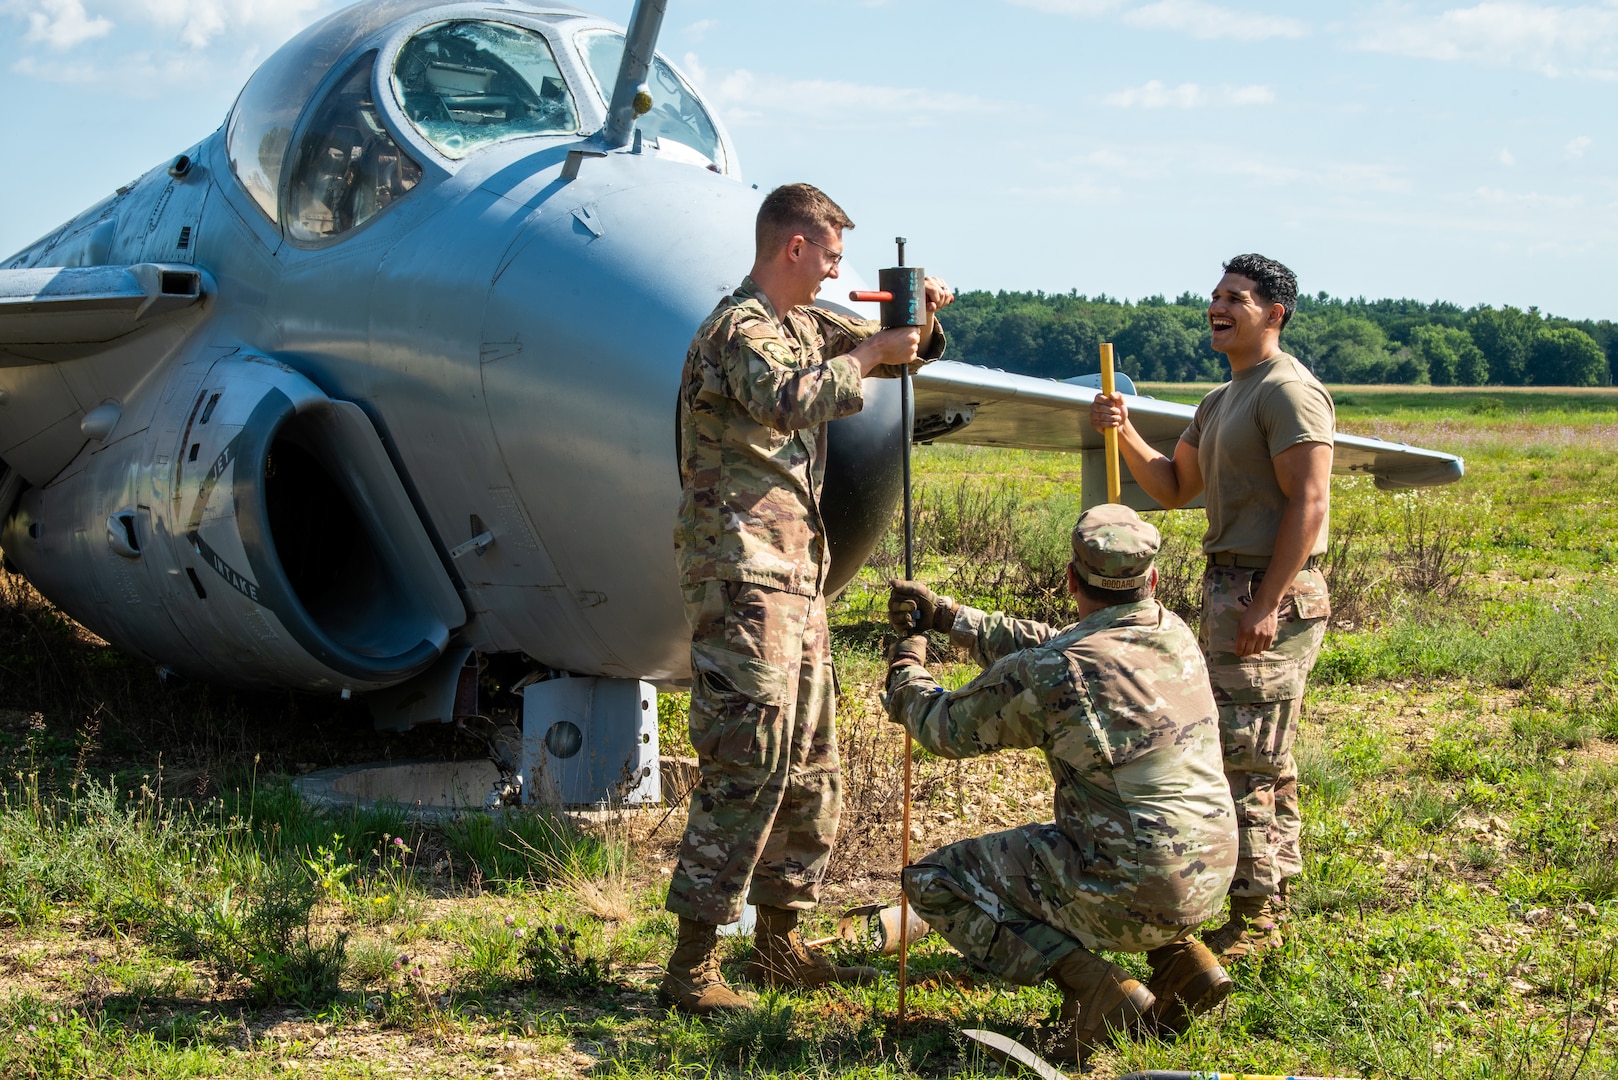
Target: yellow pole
{"points": [[1110, 435]]}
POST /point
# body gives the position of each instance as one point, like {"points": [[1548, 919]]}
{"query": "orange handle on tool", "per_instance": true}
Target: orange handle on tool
{"points": [[864, 296]]}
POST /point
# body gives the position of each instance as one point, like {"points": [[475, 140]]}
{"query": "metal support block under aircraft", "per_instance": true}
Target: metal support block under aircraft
{"points": [[372, 390]]}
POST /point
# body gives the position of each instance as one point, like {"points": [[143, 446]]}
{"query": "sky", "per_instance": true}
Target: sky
{"points": [[1461, 152]]}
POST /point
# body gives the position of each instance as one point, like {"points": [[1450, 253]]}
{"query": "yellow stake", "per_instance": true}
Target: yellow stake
{"points": [[1110, 435]]}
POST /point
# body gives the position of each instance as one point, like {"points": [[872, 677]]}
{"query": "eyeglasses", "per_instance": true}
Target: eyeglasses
{"points": [[836, 256]]}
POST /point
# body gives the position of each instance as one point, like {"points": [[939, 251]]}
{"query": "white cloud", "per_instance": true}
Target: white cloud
{"points": [[138, 74], [1498, 197], [1247, 95], [145, 47], [1188, 167], [1351, 177], [1507, 157], [744, 97], [1575, 148], [198, 22], [1081, 191], [1081, 8], [699, 29], [75, 72], [62, 24], [1201, 19], [157, 24], [1157, 95], [1550, 40]]}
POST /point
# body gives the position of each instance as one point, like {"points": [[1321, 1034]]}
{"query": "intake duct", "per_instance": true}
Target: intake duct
{"points": [[274, 540]]}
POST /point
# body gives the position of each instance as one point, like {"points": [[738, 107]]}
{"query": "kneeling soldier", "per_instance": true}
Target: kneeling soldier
{"points": [[1144, 842]]}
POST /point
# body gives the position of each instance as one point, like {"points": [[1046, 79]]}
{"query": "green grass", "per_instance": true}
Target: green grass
{"points": [[168, 908]]}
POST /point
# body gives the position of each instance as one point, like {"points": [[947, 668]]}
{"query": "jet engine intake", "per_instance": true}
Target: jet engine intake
{"points": [[266, 536]]}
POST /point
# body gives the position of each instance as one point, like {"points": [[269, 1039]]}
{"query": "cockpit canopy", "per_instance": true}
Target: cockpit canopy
{"points": [[347, 168], [462, 83], [260, 127], [676, 114], [468, 84]]}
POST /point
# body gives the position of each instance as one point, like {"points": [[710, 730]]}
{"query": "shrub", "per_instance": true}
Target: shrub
{"points": [[263, 936]]}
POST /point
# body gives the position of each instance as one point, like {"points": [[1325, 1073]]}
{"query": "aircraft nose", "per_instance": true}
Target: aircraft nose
{"points": [[600, 294]]}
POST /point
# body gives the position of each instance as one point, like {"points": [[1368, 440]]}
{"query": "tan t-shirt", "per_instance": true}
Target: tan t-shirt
{"points": [[1238, 430]]}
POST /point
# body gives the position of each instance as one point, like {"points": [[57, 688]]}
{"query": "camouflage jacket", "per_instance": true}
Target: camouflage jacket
{"points": [[1120, 704], [754, 400]]}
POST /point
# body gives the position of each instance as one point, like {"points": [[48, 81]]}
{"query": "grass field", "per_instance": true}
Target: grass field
{"points": [[167, 908]]}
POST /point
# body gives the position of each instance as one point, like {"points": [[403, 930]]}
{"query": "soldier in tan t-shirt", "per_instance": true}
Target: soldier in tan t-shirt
{"points": [[1261, 448]]}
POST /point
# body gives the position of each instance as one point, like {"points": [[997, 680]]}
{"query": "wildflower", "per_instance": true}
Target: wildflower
{"points": [[519, 932], [398, 841], [510, 921]]}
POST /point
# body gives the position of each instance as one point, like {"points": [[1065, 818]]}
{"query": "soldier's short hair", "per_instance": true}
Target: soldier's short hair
{"points": [[796, 208], [1272, 281]]}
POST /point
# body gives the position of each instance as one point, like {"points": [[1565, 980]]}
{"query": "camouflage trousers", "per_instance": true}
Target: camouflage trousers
{"points": [[770, 789], [1013, 910], [1260, 700]]}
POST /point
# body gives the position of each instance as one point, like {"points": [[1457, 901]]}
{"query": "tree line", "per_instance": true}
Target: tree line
{"points": [[1342, 341]]}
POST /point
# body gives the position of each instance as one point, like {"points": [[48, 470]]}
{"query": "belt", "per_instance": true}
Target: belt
{"points": [[1252, 562]]}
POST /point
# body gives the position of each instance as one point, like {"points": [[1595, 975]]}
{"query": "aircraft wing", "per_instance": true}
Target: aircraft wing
{"points": [[61, 313], [964, 403]]}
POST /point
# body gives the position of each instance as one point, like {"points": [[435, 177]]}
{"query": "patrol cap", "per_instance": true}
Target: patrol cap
{"points": [[1113, 548]]}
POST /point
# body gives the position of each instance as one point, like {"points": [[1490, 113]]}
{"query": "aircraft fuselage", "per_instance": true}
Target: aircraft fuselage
{"points": [[449, 426]]}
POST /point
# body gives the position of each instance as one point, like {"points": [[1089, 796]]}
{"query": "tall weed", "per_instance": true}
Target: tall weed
{"points": [[264, 935], [519, 847], [1431, 552]]}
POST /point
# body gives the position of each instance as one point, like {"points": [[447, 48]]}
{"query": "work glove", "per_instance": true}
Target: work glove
{"points": [[902, 652], [908, 650], [913, 608]]}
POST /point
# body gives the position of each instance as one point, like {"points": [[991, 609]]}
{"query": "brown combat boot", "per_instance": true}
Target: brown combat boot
{"points": [[1253, 928], [1187, 981], [1097, 998], [780, 957], [693, 983]]}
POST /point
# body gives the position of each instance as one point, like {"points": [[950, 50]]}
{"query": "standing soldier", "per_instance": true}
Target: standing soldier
{"points": [[1261, 447], [763, 375], [1144, 841]]}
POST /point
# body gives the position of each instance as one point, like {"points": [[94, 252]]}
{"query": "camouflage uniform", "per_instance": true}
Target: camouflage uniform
{"points": [[1143, 845], [1238, 430], [752, 555], [1260, 701]]}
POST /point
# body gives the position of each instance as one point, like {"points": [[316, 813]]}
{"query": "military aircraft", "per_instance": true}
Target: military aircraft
{"points": [[373, 388]]}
